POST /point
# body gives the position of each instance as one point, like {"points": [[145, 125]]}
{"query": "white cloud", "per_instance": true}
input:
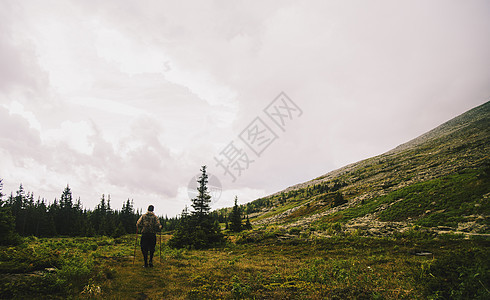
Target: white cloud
{"points": [[74, 134], [108, 106], [131, 57], [18, 109]]}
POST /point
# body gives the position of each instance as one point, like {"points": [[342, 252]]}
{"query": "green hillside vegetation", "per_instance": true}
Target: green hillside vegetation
{"points": [[440, 179], [462, 194]]}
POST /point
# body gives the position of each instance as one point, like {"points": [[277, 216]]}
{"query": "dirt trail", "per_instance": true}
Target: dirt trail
{"points": [[133, 281]]}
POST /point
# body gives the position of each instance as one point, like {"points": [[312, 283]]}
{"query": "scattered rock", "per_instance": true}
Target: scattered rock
{"points": [[50, 270]]}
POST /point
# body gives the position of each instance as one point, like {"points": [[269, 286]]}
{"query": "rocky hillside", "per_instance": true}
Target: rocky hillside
{"points": [[438, 182]]}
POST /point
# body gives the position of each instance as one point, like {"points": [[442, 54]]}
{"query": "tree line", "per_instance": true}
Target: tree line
{"points": [[21, 215], [66, 216]]}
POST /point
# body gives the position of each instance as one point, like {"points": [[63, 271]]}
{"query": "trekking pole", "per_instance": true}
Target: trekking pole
{"points": [[135, 243], [160, 246]]}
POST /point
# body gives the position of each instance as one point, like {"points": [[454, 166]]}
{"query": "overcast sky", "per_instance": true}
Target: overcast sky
{"points": [[131, 98]]}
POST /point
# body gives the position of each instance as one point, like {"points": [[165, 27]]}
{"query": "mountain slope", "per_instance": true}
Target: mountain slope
{"points": [[439, 181]]}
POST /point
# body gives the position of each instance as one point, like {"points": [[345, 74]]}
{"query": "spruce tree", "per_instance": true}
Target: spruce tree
{"points": [[17, 208], [247, 225], [235, 218], [198, 230], [127, 217], [8, 235], [183, 235], [66, 216], [201, 202]]}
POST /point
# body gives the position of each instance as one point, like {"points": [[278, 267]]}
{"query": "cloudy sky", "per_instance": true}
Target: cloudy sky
{"points": [[131, 98]]}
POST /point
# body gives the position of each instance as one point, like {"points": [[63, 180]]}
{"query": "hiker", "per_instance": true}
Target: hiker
{"points": [[149, 225]]}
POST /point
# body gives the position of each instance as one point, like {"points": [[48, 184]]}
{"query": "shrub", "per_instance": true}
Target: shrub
{"points": [[172, 253], [75, 271], [461, 274]]}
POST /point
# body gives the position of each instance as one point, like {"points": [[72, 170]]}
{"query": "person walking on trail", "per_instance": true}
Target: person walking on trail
{"points": [[149, 225]]}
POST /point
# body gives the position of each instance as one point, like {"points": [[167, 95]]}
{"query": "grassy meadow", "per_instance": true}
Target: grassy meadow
{"points": [[253, 265]]}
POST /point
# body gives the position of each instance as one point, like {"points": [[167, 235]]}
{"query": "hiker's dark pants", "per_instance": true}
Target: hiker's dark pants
{"points": [[148, 242]]}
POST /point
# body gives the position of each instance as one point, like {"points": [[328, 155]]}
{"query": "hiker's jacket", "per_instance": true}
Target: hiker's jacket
{"points": [[148, 223]]}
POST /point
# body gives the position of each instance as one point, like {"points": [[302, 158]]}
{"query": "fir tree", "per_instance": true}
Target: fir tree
{"points": [[201, 202], [183, 235], [8, 235], [66, 201], [199, 229], [127, 217], [247, 225], [66, 215], [235, 218]]}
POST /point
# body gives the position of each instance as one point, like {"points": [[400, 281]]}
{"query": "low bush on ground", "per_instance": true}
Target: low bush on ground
{"points": [[54, 266], [460, 274]]}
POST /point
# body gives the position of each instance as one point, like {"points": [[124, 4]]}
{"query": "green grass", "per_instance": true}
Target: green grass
{"points": [[438, 202], [280, 209], [446, 200], [340, 267]]}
